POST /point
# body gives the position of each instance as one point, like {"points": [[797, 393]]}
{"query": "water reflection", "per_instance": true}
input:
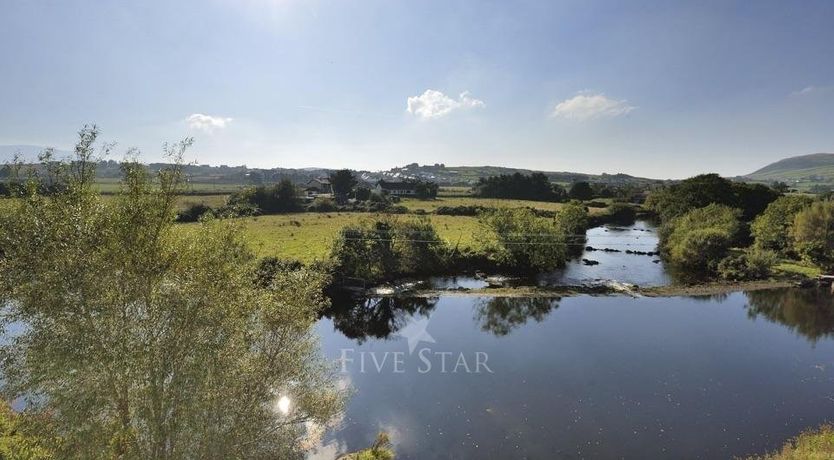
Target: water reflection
{"points": [[604, 377], [501, 315], [377, 318], [807, 312]]}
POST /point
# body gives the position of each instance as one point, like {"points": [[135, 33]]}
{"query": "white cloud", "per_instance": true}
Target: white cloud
{"points": [[434, 104], [207, 123], [586, 106], [809, 90]]}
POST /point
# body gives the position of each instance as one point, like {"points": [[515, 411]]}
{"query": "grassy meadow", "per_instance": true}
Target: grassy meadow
{"points": [[309, 236]]}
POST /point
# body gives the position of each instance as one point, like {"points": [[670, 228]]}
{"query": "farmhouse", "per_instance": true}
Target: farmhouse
{"points": [[397, 188]]}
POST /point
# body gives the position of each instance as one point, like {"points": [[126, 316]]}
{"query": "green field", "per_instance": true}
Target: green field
{"points": [[309, 236]]}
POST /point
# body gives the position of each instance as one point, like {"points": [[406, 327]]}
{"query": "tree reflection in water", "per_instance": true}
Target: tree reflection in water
{"points": [[378, 317], [808, 312], [500, 315]]}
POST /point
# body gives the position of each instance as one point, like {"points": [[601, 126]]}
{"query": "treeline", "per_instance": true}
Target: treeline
{"points": [[537, 187], [518, 186], [715, 227]]}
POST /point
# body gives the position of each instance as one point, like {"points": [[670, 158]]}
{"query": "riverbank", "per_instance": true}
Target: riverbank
{"points": [[415, 290]]}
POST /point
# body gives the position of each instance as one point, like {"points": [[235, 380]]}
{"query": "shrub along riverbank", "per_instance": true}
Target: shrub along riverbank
{"points": [[715, 228]]}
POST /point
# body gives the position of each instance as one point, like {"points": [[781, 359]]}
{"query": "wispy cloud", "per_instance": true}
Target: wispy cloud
{"points": [[207, 123], [587, 106], [434, 104], [809, 90]]}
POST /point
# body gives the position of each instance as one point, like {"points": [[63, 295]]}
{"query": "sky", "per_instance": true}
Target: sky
{"points": [[664, 89]]}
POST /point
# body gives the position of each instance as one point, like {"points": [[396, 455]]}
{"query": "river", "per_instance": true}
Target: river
{"points": [[584, 377]]}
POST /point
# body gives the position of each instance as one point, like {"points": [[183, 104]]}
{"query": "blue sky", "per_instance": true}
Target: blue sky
{"points": [[651, 88]]}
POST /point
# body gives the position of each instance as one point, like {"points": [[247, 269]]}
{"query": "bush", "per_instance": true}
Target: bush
{"points": [[772, 229], [596, 204], [812, 444], [748, 265], [277, 198], [520, 241], [238, 210], [386, 248], [470, 210], [621, 213], [572, 219], [813, 234], [193, 212], [700, 238], [322, 204]]}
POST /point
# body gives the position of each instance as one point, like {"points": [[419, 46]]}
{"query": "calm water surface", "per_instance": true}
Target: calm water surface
{"points": [[588, 377]]}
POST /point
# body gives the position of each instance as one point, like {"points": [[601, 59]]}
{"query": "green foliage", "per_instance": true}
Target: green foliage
{"points": [[387, 248], [581, 191], [380, 450], [463, 210], [572, 219], [517, 186], [342, 182], [277, 198], [813, 234], [322, 204], [362, 193], [700, 238], [621, 213], [425, 190], [811, 445], [772, 229], [16, 443], [748, 265], [193, 212], [699, 191], [146, 341], [520, 241]]}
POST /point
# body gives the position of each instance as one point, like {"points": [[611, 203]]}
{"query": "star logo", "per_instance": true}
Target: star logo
{"points": [[415, 333]]}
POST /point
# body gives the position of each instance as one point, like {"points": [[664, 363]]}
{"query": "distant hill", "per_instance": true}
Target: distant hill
{"points": [[27, 153], [469, 175], [803, 171]]}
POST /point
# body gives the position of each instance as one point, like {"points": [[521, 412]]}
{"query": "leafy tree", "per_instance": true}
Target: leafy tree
{"points": [[813, 234], [387, 248], [363, 193], [276, 198], [145, 341], [425, 190], [523, 242], [342, 182], [700, 238], [753, 199], [516, 186], [15, 441], [559, 192], [581, 191], [772, 229], [699, 191]]}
